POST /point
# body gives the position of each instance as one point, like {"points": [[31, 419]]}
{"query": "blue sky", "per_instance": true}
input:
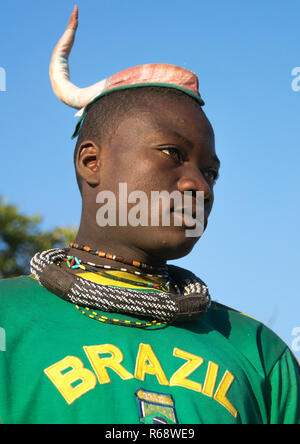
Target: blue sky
{"points": [[243, 53]]}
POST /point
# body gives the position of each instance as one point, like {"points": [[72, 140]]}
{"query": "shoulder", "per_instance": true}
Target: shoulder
{"points": [[15, 285], [17, 291], [24, 303], [261, 346]]}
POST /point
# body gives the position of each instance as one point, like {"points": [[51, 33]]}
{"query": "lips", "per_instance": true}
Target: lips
{"points": [[187, 210], [187, 216], [191, 208]]}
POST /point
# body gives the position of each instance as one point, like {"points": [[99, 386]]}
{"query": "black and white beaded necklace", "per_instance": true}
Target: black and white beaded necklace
{"points": [[191, 301]]}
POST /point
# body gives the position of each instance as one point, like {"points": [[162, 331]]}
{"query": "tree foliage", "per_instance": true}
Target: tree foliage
{"points": [[21, 237]]}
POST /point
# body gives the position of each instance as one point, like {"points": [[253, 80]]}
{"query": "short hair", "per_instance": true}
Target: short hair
{"points": [[105, 114]]}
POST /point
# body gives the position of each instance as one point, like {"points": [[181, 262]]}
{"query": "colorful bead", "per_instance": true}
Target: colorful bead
{"points": [[112, 257], [74, 263], [127, 323]]}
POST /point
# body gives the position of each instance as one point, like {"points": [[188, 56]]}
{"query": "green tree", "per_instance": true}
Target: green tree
{"points": [[21, 237]]}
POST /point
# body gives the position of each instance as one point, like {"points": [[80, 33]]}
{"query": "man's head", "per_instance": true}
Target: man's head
{"points": [[144, 128], [152, 139], [105, 114]]}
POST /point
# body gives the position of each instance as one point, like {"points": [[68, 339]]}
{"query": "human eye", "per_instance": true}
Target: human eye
{"points": [[173, 152], [212, 175]]}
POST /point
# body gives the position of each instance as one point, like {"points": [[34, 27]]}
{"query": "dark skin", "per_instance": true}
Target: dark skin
{"points": [[166, 145]]}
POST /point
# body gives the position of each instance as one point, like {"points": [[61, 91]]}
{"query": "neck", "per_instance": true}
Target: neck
{"points": [[115, 245]]}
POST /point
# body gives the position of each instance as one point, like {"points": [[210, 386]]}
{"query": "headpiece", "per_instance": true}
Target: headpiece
{"points": [[153, 74]]}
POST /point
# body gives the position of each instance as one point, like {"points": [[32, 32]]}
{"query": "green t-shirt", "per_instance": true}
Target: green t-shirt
{"points": [[58, 366]]}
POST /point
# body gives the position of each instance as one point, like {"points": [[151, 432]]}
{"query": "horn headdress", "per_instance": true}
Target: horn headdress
{"points": [[153, 74]]}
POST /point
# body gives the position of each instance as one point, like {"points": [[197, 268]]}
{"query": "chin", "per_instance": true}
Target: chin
{"points": [[173, 244]]}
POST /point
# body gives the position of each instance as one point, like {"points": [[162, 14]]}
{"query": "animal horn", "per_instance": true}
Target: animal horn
{"points": [[59, 71]]}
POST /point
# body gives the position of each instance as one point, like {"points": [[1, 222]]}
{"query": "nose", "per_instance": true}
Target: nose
{"points": [[193, 180]]}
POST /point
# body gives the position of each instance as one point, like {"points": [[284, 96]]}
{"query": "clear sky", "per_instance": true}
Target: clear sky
{"points": [[243, 53]]}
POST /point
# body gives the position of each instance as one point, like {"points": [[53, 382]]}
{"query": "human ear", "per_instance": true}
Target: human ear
{"points": [[88, 162]]}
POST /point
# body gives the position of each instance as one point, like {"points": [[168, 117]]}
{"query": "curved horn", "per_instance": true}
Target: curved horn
{"points": [[63, 88]]}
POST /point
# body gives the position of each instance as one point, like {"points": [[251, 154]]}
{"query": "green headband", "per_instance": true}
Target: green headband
{"points": [[137, 85]]}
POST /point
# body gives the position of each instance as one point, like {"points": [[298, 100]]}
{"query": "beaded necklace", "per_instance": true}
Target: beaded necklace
{"points": [[116, 258], [125, 323], [74, 263], [162, 307]]}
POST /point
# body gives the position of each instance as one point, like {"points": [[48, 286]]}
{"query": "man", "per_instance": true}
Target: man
{"points": [[105, 332]]}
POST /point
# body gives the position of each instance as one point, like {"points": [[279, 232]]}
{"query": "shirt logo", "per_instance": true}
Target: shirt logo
{"points": [[156, 408]]}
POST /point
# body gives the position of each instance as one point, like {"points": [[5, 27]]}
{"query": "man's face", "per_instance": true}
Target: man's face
{"points": [[167, 145]]}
